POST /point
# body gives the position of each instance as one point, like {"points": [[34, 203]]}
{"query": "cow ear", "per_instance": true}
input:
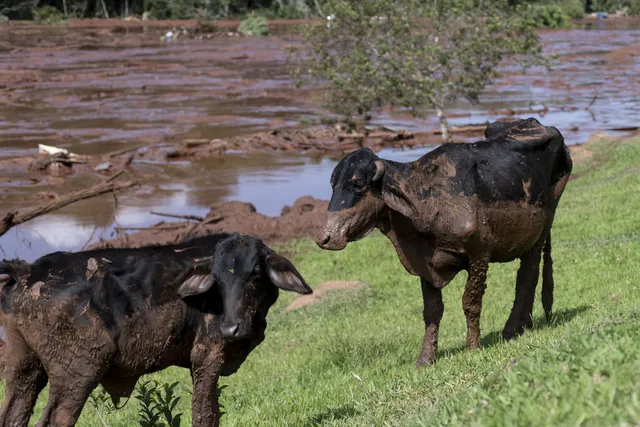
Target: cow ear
{"points": [[397, 200], [284, 275], [195, 280]]}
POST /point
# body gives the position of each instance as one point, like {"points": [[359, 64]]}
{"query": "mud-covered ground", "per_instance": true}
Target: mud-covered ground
{"points": [[204, 120]]}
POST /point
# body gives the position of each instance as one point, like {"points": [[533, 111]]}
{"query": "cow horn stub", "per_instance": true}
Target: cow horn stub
{"points": [[379, 170]]}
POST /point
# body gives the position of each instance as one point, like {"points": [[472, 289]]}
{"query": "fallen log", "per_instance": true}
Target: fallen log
{"points": [[13, 218], [157, 227], [188, 217]]}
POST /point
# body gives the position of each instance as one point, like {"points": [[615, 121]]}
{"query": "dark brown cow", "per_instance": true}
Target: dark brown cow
{"points": [[108, 316], [456, 208]]}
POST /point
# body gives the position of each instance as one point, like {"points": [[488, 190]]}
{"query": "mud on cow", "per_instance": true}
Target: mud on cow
{"points": [[456, 208], [109, 316]]}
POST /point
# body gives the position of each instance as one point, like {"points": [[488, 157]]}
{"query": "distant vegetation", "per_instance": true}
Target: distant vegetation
{"points": [[545, 12], [374, 53]]}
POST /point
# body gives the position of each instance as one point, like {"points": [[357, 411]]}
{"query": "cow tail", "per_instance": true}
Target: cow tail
{"points": [[547, 280]]}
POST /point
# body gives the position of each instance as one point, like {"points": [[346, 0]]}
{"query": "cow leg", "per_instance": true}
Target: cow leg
{"points": [[432, 313], [68, 393], [25, 379], [526, 282], [472, 300], [205, 408]]}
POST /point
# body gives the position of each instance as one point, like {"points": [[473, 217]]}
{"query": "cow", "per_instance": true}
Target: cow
{"points": [[459, 207], [109, 316]]}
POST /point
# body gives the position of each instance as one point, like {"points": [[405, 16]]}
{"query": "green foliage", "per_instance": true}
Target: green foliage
{"points": [[48, 15], [546, 15], [173, 9], [574, 9], [101, 402], [158, 402], [3, 19], [376, 52], [611, 6], [254, 25]]}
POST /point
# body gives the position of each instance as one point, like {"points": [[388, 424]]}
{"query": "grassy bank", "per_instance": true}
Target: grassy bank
{"points": [[349, 360]]}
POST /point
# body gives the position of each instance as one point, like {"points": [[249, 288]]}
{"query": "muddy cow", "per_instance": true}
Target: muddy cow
{"points": [[459, 207], [109, 316]]}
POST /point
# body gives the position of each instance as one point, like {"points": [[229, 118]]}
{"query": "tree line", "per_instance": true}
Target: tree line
{"points": [[217, 9]]}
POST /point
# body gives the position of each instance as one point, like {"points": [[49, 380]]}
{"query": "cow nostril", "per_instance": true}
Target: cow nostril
{"points": [[325, 240], [230, 331]]}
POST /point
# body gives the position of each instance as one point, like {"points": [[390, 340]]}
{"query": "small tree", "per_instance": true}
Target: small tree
{"points": [[380, 52]]}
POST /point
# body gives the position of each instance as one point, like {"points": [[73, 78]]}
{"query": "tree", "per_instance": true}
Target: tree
{"points": [[381, 52]]}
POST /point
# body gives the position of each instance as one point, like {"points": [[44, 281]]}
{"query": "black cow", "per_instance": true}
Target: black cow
{"points": [[109, 316], [459, 207]]}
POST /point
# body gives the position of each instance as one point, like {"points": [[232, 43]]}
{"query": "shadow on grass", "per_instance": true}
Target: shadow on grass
{"points": [[493, 338], [331, 414]]}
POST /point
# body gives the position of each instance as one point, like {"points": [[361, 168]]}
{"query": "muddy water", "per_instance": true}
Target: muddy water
{"points": [[98, 91]]}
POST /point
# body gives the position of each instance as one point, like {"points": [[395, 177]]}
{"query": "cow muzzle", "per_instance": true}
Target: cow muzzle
{"points": [[332, 235]]}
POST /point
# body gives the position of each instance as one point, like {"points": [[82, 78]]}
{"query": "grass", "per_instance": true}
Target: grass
{"points": [[349, 360]]}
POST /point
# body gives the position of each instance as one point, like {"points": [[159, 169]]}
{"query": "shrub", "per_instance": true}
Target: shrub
{"points": [[574, 9], [157, 404], [547, 15], [254, 26], [48, 15]]}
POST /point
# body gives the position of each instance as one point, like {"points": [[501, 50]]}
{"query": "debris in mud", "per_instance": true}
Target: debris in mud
{"points": [[103, 167]]}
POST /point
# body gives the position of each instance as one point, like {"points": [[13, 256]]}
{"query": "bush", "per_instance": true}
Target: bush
{"points": [[254, 26], [574, 9], [611, 6], [3, 19], [547, 15], [48, 15], [157, 404]]}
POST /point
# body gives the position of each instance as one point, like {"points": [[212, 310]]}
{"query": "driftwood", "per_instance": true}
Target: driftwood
{"points": [[402, 135], [188, 217], [155, 227], [14, 218]]}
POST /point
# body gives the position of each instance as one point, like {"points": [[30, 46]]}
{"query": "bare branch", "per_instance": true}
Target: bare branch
{"points": [[14, 218]]}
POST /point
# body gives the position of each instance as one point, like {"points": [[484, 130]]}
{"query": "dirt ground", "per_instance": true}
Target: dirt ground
{"points": [[294, 222]]}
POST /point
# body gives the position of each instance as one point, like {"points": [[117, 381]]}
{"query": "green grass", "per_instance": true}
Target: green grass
{"points": [[349, 360]]}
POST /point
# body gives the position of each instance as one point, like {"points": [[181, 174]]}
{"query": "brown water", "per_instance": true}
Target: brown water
{"points": [[97, 91]]}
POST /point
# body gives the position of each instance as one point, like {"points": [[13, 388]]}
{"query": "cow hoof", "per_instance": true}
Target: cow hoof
{"points": [[421, 363]]}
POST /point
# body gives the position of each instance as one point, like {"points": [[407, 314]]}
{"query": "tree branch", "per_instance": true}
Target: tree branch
{"points": [[13, 218]]}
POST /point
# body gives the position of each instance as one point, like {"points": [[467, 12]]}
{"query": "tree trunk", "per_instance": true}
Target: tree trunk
{"points": [[14, 218], [104, 9], [64, 8], [444, 125]]}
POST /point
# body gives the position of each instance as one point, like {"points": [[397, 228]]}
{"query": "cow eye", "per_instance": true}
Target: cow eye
{"points": [[359, 184]]}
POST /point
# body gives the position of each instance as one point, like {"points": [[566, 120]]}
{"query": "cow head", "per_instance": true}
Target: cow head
{"points": [[356, 202], [246, 275]]}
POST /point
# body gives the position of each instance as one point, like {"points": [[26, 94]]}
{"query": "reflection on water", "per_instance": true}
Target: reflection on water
{"points": [[268, 180]]}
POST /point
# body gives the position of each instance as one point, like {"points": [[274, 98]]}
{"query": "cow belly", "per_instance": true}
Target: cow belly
{"points": [[152, 340], [513, 229]]}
